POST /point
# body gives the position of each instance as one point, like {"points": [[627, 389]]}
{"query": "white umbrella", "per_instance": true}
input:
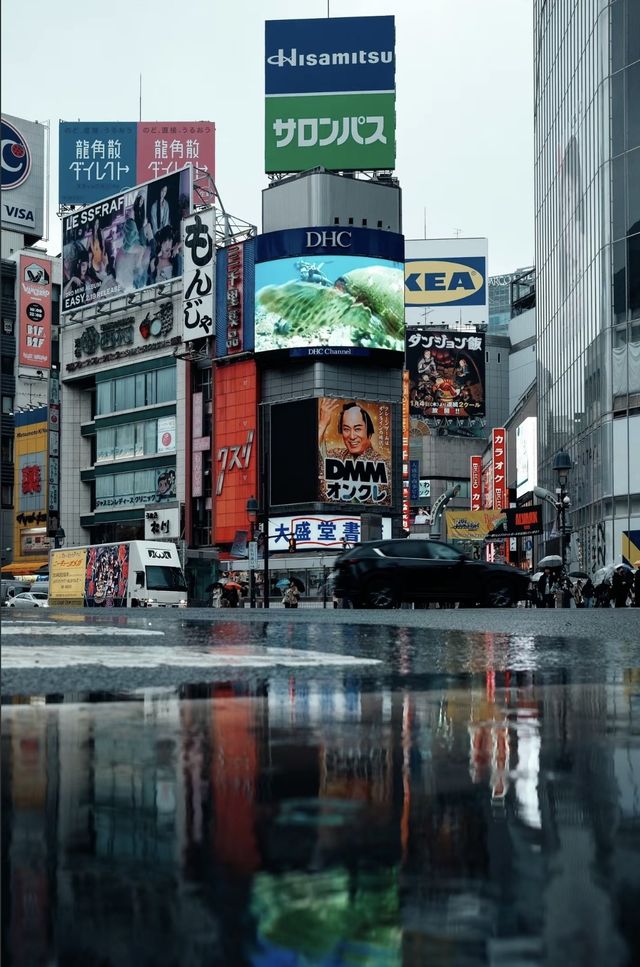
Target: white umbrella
{"points": [[551, 560], [603, 574], [536, 577]]}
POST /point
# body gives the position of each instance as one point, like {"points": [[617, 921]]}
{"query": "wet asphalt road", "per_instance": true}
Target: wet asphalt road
{"points": [[321, 787]]}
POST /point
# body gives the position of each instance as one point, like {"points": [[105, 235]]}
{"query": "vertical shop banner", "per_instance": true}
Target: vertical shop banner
{"points": [[103, 158], [235, 300], [475, 490], [35, 312], [198, 281], [406, 429], [330, 93], [499, 461], [354, 451], [235, 458], [166, 438]]}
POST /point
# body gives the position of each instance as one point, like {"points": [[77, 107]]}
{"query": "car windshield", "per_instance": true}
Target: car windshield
{"points": [[161, 578], [39, 596]]}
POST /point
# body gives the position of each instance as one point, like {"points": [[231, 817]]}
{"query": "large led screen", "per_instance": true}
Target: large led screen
{"points": [[335, 290]]}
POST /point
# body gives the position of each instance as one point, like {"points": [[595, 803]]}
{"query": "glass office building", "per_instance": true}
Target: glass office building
{"points": [[587, 197]]}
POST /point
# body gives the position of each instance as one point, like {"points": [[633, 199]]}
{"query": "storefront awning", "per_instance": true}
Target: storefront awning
{"points": [[23, 567]]}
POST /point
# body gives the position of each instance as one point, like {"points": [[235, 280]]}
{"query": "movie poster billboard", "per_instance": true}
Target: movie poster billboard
{"points": [[330, 93], [125, 243], [106, 577], [34, 312], [24, 170], [447, 373], [354, 452], [322, 291], [102, 158]]}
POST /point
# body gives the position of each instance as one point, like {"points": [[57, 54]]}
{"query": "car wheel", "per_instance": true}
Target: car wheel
{"points": [[381, 594], [499, 594]]}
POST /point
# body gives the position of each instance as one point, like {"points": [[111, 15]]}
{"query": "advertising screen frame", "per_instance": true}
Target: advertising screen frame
{"points": [[311, 272], [83, 219]]}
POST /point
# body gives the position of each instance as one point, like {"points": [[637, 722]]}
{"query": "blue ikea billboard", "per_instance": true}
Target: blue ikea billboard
{"points": [[330, 55]]}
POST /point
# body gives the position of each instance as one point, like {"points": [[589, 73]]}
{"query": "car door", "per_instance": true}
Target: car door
{"points": [[444, 575], [420, 572]]}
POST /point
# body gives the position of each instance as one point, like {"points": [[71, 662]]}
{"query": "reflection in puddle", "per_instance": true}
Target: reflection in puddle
{"points": [[321, 820]]}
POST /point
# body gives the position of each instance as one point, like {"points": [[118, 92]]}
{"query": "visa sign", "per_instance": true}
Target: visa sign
{"points": [[445, 282]]}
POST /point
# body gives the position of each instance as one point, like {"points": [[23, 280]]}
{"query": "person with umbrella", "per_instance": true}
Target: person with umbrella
{"points": [[547, 587], [621, 582], [588, 592], [291, 595]]}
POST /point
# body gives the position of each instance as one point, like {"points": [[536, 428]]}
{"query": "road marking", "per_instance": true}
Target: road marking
{"points": [[140, 656], [87, 630]]}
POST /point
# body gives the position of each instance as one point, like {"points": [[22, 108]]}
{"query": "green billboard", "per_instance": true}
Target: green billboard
{"points": [[337, 131]]}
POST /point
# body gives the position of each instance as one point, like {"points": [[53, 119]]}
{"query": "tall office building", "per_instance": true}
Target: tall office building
{"points": [[587, 197]]}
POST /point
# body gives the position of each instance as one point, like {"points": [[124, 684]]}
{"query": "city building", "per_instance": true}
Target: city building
{"points": [[587, 210]]}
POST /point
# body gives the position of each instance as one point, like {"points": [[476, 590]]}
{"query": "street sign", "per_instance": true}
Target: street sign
{"points": [[252, 547]]}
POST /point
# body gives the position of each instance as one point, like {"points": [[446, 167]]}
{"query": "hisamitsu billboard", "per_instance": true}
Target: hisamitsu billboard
{"points": [[330, 93]]}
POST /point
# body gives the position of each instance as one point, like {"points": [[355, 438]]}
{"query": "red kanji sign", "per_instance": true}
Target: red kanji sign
{"points": [[31, 479]]}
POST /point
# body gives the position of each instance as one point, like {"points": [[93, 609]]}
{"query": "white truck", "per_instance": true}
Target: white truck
{"points": [[129, 574]]}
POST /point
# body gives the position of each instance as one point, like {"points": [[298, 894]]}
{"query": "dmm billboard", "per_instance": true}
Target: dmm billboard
{"points": [[235, 453], [319, 289], [101, 158], [447, 373], [35, 312], [448, 278], [330, 93], [354, 451], [126, 242], [23, 175]]}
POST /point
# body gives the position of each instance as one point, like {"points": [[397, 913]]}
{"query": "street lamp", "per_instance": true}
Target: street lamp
{"points": [[59, 538], [562, 468], [438, 507], [252, 514]]}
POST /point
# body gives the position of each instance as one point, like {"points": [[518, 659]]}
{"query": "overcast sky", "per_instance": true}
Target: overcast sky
{"points": [[463, 82]]}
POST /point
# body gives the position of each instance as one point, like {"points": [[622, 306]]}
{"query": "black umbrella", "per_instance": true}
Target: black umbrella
{"points": [[299, 584], [212, 587], [581, 575]]}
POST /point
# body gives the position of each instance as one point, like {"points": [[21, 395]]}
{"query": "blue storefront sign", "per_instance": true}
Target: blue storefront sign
{"points": [[97, 160], [414, 479]]}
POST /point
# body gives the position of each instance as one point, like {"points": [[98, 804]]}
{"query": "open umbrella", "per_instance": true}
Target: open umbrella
{"points": [[282, 583], [233, 584], [602, 574], [299, 584], [581, 575], [536, 577], [551, 560]]}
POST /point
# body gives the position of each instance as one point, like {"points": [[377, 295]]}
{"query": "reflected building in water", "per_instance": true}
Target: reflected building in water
{"points": [[308, 815]]}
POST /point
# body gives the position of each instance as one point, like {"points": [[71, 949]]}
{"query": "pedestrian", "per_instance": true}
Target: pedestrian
{"points": [[290, 596], [566, 589], [620, 586], [588, 592], [636, 584], [547, 587]]}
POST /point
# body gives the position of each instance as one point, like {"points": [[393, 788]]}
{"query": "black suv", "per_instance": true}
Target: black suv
{"points": [[382, 574]]}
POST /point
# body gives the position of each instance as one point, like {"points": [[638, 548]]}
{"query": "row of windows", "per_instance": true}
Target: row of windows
{"points": [[127, 441], [133, 392], [127, 484]]}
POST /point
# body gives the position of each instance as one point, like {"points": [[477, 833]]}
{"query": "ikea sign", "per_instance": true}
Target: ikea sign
{"points": [[445, 282]]}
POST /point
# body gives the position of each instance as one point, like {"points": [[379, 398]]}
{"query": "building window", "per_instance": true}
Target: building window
{"points": [[134, 392], [7, 495], [8, 363], [7, 404]]}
